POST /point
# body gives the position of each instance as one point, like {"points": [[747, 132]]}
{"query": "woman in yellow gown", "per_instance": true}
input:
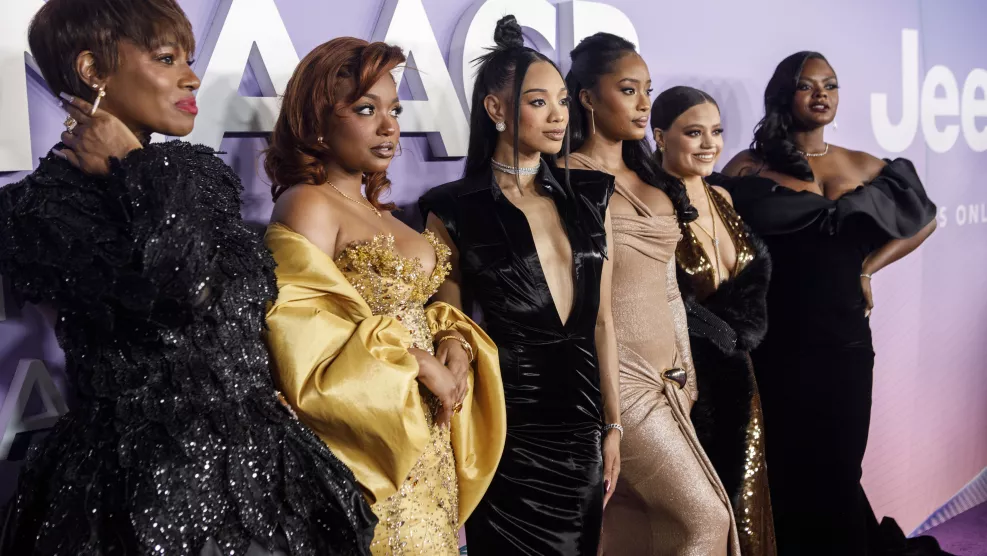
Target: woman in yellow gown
{"points": [[409, 397]]}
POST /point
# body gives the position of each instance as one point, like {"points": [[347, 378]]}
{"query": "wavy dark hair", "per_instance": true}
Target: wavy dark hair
{"points": [[773, 144], [593, 58], [504, 66], [295, 155], [667, 108]]}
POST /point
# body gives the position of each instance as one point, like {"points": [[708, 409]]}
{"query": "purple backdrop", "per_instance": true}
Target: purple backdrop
{"points": [[930, 400]]}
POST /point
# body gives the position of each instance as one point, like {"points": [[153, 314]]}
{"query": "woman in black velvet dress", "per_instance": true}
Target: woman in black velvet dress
{"points": [[179, 443], [831, 218], [529, 249]]}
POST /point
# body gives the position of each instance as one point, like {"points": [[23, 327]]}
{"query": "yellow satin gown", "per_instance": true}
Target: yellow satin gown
{"points": [[339, 335]]}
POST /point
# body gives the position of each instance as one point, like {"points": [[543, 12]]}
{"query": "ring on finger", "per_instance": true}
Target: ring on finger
{"points": [[70, 124], [458, 407]]}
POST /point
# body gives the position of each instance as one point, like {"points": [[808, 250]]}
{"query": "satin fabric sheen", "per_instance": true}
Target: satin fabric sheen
{"points": [[349, 376], [547, 496], [815, 366], [669, 500]]}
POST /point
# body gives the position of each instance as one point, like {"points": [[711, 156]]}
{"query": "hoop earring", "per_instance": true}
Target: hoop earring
{"points": [[501, 127], [592, 121], [99, 97]]}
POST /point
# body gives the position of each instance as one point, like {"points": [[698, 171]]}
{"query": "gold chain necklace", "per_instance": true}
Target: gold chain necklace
{"points": [[712, 236], [365, 205]]}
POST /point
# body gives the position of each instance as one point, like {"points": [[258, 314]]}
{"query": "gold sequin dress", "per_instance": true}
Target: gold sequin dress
{"points": [[340, 333], [726, 321], [669, 500]]}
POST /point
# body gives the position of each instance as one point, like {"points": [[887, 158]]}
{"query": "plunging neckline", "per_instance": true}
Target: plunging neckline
{"points": [[537, 268]]}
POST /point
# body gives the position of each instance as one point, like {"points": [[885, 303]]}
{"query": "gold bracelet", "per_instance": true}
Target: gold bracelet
{"points": [[462, 341]]}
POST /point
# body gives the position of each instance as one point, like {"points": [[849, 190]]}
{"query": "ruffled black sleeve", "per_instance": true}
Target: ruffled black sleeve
{"points": [[180, 200], [894, 203], [137, 245]]}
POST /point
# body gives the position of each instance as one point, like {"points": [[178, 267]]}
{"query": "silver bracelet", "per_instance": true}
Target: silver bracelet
{"points": [[611, 426], [868, 276]]}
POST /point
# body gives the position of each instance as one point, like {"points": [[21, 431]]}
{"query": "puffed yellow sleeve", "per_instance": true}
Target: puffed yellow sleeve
{"points": [[346, 372], [480, 429]]}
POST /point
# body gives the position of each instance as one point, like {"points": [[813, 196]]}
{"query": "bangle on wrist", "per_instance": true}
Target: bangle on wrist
{"points": [[462, 341], [611, 426], [866, 275]]}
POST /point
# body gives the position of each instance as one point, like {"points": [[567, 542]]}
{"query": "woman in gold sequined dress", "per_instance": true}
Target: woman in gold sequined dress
{"points": [[669, 500], [723, 274], [408, 396]]}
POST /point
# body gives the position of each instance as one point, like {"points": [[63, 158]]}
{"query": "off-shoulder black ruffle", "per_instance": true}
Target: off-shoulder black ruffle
{"points": [[895, 202]]}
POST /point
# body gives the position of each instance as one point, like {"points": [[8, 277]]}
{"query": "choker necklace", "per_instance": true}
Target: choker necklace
{"points": [[814, 155], [514, 171]]}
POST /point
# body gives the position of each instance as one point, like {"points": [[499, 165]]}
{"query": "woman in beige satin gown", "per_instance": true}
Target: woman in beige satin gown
{"points": [[669, 500]]}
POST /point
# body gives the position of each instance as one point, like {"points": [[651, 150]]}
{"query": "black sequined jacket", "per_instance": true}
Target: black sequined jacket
{"points": [[178, 438], [723, 329]]}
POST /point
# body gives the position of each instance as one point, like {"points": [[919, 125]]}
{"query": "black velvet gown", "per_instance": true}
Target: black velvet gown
{"points": [[815, 365], [547, 495], [178, 443]]}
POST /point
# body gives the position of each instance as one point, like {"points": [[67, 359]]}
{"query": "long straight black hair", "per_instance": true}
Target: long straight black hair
{"points": [[593, 58], [505, 65], [773, 142]]}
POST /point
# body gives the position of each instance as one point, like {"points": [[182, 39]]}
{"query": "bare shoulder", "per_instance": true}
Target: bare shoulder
{"points": [[724, 193], [864, 163], [743, 163], [310, 212]]}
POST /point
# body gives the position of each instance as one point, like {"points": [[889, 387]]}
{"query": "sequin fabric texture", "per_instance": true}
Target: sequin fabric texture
{"points": [[178, 440], [422, 517], [693, 259]]}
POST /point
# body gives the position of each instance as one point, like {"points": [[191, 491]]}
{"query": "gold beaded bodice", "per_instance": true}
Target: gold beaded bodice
{"points": [[395, 285], [422, 518], [693, 259]]}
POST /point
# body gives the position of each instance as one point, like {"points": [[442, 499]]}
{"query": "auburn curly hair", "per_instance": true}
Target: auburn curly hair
{"points": [[315, 91]]}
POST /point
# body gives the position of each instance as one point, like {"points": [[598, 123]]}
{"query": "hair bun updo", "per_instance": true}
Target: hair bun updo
{"points": [[508, 35]]}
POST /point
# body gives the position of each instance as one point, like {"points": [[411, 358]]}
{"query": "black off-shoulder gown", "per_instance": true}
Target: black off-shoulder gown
{"points": [[547, 495], [815, 365], [178, 444]]}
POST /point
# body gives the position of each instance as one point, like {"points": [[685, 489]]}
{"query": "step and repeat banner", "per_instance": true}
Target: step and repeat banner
{"points": [[913, 84]]}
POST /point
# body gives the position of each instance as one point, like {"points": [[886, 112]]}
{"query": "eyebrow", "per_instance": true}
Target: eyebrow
{"points": [[540, 90], [631, 80]]}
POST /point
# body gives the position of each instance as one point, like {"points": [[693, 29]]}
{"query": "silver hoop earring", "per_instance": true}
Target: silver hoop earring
{"points": [[501, 127]]}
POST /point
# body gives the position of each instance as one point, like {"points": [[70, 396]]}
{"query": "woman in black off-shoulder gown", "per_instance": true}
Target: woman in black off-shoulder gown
{"points": [[831, 218], [178, 443]]}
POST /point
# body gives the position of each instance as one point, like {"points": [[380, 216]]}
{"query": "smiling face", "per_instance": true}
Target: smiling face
{"points": [[817, 95], [692, 144], [364, 134]]}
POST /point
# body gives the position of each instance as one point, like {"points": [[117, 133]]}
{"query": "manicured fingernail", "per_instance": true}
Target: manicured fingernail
{"points": [[67, 97], [59, 154], [606, 485]]}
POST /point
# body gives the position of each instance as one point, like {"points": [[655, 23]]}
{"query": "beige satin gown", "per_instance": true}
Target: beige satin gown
{"points": [[669, 500]]}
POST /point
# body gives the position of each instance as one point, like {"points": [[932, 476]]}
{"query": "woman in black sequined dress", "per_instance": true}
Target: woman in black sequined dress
{"points": [[179, 444]]}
